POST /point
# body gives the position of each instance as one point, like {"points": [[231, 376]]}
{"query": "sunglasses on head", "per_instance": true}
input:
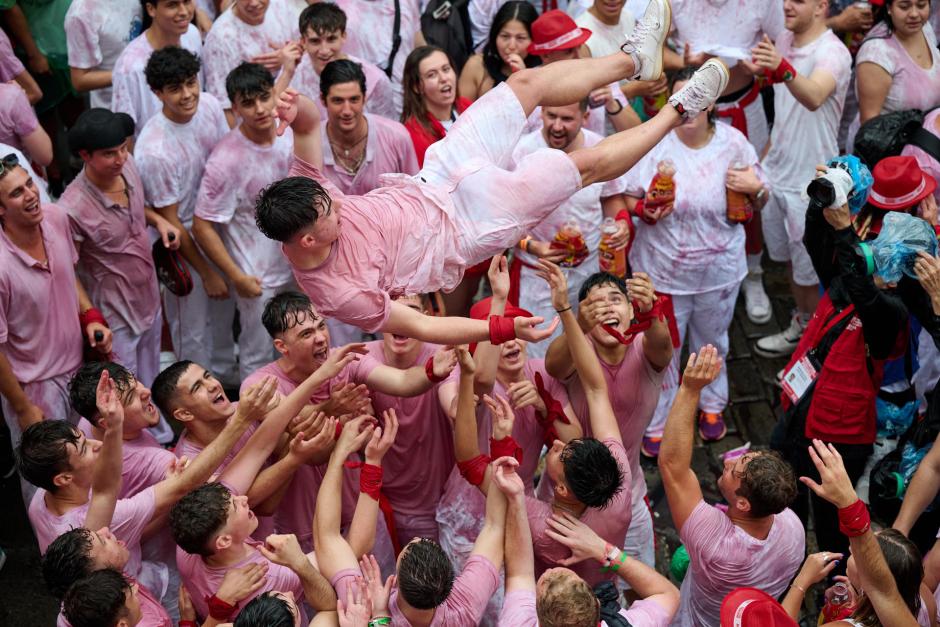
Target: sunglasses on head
{"points": [[8, 163]]}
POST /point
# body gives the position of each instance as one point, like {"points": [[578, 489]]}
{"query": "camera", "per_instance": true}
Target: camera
{"points": [[831, 189]]}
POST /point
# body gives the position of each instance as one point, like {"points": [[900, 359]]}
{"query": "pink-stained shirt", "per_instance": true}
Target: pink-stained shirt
{"points": [[144, 462], [130, 93], [415, 488], [519, 611], [388, 150], [230, 201], [399, 239], [231, 41], [380, 96], [724, 557], [467, 600], [39, 330], [610, 523], [114, 261], [928, 163], [738, 24], [172, 157], [202, 580], [694, 249], [97, 31], [186, 447], [912, 87], [152, 613], [10, 66], [17, 118]]}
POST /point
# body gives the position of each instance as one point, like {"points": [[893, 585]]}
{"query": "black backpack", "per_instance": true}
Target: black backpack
{"points": [[446, 24], [887, 134]]}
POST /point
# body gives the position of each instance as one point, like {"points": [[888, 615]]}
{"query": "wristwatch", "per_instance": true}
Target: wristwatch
{"points": [[760, 193]]}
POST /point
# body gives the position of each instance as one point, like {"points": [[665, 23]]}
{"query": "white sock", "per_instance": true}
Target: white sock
{"points": [[753, 265]]}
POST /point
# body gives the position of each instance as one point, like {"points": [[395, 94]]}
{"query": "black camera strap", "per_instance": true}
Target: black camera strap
{"points": [[396, 39]]}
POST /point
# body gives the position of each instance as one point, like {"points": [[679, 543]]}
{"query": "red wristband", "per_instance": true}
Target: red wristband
{"points": [[339, 430], [623, 214], [429, 371], [474, 470], [507, 447], [219, 609], [502, 329], [91, 315], [188, 623], [784, 73], [854, 520], [370, 478]]}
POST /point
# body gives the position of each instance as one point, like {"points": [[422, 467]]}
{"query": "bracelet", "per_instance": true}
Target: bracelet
{"points": [[615, 565], [799, 587], [381, 620], [524, 243], [760, 193], [617, 111], [429, 371], [785, 72], [568, 308]]}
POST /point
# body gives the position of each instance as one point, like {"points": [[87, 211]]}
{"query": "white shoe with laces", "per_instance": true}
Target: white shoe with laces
{"points": [[645, 43], [756, 301], [781, 344], [702, 90]]}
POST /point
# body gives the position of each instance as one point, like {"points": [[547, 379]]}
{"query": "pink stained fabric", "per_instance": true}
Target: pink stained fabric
{"points": [[39, 330], [414, 489], [186, 447], [172, 157], [229, 201], [144, 461], [17, 118], [912, 87], [724, 557], [231, 41], [634, 387], [610, 523], [10, 66], [152, 613], [519, 611], [468, 598], [736, 25], [380, 97], [388, 150], [202, 580], [927, 162], [115, 262]]}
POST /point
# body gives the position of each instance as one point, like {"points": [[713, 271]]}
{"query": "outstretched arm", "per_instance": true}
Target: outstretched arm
{"points": [[285, 550], [412, 381], [810, 91], [106, 482], [489, 543], [486, 354], [675, 455], [362, 528], [466, 444], [302, 115], [921, 491], [520, 557]]}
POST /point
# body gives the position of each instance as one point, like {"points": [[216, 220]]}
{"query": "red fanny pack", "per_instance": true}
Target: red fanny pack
{"points": [[171, 270]]}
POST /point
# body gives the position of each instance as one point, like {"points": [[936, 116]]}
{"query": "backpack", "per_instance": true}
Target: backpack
{"points": [[446, 24], [887, 134]]}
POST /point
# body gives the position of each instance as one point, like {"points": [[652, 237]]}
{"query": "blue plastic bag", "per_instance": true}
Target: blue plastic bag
{"points": [[861, 178], [896, 247], [893, 420]]}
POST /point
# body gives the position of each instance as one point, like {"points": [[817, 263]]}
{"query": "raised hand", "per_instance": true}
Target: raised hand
{"points": [[816, 568], [702, 368], [552, 274], [506, 479], [444, 362], [927, 269], [765, 54], [340, 357], [640, 289], [382, 439], [347, 399], [574, 534], [526, 328], [108, 403], [253, 404], [836, 486], [377, 591], [355, 434], [354, 612], [503, 416], [465, 359], [177, 466], [524, 394], [498, 274], [286, 109], [317, 449], [240, 583], [283, 549]]}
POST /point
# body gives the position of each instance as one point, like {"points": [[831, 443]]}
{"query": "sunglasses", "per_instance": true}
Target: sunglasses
{"points": [[8, 163]]}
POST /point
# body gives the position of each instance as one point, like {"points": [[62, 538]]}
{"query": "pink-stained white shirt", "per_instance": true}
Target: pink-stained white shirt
{"points": [[186, 447], [610, 523], [415, 488], [230, 201], [152, 613], [606, 39], [802, 138], [912, 87], [97, 31], [388, 150], [231, 41], [17, 118], [927, 162], [694, 249], [10, 65], [172, 157], [380, 97], [467, 600], [114, 262], [519, 611], [130, 93], [202, 580], [724, 557], [369, 35], [399, 239], [734, 24], [144, 462], [39, 330]]}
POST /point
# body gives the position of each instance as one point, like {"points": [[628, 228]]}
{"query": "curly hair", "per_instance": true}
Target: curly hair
{"points": [[200, 515], [768, 483], [171, 66], [566, 601]]}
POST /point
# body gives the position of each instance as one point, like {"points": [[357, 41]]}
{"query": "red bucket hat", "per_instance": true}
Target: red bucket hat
{"points": [[899, 184], [555, 30], [750, 607]]}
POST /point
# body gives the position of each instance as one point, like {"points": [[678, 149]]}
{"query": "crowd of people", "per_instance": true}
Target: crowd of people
{"points": [[452, 278]]}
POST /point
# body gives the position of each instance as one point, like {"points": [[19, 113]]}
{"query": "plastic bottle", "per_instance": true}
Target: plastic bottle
{"points": [[894, 251], [662, 190], [570, 238], [612, 260], [740, 209], [837, 602]]}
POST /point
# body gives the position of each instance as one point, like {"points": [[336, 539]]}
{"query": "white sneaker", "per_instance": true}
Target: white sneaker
{"points": [[702, 90], [756, 301], [781, 344], [645, 43]]}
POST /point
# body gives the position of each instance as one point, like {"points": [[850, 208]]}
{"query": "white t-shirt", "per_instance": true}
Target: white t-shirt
{"points": [[912, 87], [802, 138], [606, 39], [236, 171], [130, 93], [231, 41], [97, 31], [171, 157], [707, 24], [694, 249]]}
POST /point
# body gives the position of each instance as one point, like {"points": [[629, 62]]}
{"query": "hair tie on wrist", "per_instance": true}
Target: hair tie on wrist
{"points": [[568, 308]]}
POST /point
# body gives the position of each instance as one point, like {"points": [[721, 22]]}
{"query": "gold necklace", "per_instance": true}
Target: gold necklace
{"points": [[350, 165]]}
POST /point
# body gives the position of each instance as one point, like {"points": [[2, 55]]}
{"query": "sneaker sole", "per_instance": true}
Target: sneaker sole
{"points": [[760, 319], [772, 355]]}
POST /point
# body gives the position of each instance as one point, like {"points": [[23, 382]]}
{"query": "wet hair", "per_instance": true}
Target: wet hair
{"points": [[425, 574], [566, 601], [198, 516], [768, 483], [164, 389], [171, 66], [98, 600], [67, 559], [286, 207], [598, 279], [413, 102], [248, 80], [268, 609], [285, 311], [906, 565], [514, 10], [322, 18], [591, 472], [83, 387], [685, 74], [43, 451], [339, 72]]}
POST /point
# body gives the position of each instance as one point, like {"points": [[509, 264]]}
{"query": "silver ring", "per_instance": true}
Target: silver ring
{"points": [[825, 557]]}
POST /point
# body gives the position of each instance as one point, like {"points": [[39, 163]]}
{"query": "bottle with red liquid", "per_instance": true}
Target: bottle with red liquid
{"points": [[612, 260], [570, 238], [838, 603], [662, 190], [740, 209]]}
